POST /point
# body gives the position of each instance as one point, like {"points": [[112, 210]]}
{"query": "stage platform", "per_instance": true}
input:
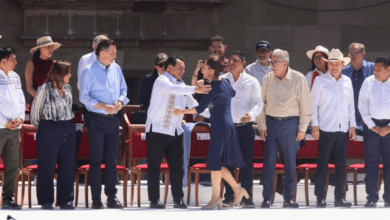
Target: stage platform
{"points": [[193, 212]]}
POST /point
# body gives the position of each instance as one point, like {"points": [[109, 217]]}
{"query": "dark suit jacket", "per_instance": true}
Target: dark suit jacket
{"points": [[146, 90]]}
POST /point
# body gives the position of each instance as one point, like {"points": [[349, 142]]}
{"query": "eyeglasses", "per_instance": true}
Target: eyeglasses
{"points": [[274, 63], [354, 53]]}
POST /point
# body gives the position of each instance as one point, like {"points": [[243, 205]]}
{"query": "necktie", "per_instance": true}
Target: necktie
{"points": [[315, 74]]}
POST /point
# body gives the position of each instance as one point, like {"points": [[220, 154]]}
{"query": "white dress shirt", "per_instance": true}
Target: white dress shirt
{"points": [[168, 93], [333, 104], [257, 70], [84, 62], [12, 101], [374, 100], [248, 96], [309, 76]]}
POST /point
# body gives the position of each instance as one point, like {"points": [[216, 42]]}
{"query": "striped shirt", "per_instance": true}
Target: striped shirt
{"points": [[49, 105]]}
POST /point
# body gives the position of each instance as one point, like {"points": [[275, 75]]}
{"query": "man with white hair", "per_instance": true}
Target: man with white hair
{"points": [[332, 93], [89, 58], [283, 123]]}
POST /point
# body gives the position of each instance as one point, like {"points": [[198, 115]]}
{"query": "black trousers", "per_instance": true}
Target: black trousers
{"points": [[172, 146], [103, 139], [328, 142], [56, 144], [246, 137]]}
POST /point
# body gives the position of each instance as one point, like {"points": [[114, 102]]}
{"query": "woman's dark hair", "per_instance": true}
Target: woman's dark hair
{"points": [[56, 74], [36, 54], [313, 66], [215, 62]]}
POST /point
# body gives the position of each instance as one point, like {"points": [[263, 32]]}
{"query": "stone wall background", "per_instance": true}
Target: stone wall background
{"points": [[144, 28]]}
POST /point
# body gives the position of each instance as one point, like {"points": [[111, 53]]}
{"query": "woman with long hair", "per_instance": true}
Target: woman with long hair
{"points": [[52, 114], [224, 150]]}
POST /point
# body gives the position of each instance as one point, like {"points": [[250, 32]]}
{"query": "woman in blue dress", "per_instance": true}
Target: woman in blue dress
{"points": [[224, 150]]}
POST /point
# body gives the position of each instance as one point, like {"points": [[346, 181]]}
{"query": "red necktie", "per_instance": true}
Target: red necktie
{"points": [[315, 74]]}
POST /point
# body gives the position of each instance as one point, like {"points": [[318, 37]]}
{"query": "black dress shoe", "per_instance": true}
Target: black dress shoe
{"points": [[157, 205], [321, 203], [179, 204], [10, 204], [227, 202], [342, 203], [67, 206], [290, 204], [266, 204], [97, 205], [247, 203], [47, 206], [370, 204], [114, 204]]}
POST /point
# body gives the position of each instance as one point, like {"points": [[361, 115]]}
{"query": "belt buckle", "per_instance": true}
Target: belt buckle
{"points": [[278, 119]]}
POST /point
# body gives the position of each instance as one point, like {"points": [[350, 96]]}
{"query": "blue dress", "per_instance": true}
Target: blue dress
{"points": [[224, 147]]}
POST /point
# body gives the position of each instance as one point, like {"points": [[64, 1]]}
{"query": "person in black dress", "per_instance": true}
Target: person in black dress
{"points": [[224, 145]]}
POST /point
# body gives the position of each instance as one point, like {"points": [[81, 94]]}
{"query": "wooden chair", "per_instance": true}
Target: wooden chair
{"points": [[84, 148], [28, 151], [258, 153], [138, 150], [199, 150], [356, 151], [310, 151], [126, 116]]}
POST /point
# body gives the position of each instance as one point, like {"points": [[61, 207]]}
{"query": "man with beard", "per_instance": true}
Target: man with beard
{"points": [[262, 65]]}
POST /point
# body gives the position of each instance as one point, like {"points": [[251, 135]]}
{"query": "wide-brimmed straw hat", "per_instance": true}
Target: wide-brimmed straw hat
{"points": [[318, 48], [45, 41], [335, 54]]}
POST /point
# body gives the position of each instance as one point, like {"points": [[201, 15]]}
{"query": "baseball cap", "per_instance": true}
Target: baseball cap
{"points": [[263, 44], [160, 58]]}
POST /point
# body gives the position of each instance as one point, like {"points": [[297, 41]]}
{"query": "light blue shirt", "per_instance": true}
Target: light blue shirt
{"points": [[101, 84]]}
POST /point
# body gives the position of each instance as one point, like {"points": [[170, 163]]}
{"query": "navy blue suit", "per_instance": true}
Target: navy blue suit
{"points": [[146, 90]]}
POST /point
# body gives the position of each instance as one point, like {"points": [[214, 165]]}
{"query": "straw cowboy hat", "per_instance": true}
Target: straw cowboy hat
{"points": [[45, 41], [319, 48], [335, 54]]}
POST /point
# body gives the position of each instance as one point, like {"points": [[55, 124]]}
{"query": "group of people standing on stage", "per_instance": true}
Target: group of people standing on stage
{"points": [[283, 102], [103, 92], [340, 97]]}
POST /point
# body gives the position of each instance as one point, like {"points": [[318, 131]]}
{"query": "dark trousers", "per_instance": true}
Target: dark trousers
{"points": [[9, 144], [56, 144], [246, 137], [283, 135], [172, 146], [338, 143], [375, 147], [103, 139]]}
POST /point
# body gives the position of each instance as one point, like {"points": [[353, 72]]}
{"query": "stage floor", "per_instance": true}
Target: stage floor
{"points": [[194, 212]]}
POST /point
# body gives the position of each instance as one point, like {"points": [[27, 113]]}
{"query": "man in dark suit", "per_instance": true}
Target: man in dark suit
{"points": [[147, 86]]}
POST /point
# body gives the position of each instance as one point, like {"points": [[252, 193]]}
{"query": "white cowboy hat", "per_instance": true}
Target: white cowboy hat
{"points": [[319, 48], [45, 41], [335, 54]]}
